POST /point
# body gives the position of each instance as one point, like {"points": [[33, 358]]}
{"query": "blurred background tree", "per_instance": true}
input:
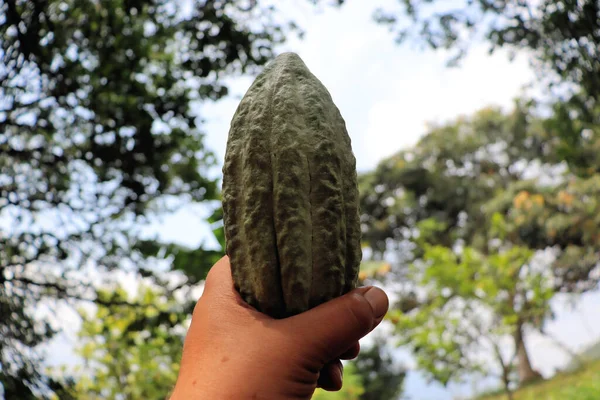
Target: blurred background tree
{"points": [[451, 213], [437, 206], [100, 134], [382, 376]]}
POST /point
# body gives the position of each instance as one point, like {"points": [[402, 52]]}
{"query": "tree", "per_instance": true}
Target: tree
{"points": [[100, 134], [489, 180], [470, 302], [130, 352], [381, 376]]}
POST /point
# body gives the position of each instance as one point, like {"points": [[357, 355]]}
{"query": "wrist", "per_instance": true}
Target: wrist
{"points": [[216, 383], [233, 388], [224, 392]]}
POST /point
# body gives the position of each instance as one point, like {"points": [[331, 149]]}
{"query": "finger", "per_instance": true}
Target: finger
{"points": [[331, 376], [219, 277], [220, 293], [330, 329], [351, 353]]}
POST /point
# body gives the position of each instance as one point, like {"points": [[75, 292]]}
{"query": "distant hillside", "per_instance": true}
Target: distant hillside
{"points": [[583, 384], [590, 353]]}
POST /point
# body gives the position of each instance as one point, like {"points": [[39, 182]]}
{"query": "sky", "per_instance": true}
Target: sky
{"points": [[387, 94]]}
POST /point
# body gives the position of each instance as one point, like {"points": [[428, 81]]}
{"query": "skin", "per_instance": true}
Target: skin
{"points": [[232, 351]]}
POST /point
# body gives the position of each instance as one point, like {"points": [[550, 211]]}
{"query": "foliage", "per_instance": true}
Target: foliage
{"points": [[470, 301], [100, 134], [564, 217], [381, 376], [576, 121], [492, 170], [130, 352], [452, 172]]}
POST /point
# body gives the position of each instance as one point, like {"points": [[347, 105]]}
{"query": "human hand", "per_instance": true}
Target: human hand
{"points": [[232, 351]]}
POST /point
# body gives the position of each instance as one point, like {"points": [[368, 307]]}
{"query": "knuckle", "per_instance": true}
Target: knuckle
{"points": [[358, 313]]}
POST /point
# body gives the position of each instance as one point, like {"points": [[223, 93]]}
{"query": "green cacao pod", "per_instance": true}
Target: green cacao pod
{"points": [[290, 196]]}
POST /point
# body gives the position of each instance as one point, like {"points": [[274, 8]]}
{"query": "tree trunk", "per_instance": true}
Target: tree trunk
{"points": [[506, 381], [526, 372]]}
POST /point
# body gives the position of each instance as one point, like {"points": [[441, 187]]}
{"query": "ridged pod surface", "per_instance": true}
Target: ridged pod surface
{"points": [[290, 196]]}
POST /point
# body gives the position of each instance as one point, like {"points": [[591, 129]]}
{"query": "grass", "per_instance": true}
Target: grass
{"points": [[582, 384]]}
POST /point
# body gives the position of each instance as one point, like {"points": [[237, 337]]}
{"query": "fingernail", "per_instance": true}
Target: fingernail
{"points": [[341, 373], [378, 301]]}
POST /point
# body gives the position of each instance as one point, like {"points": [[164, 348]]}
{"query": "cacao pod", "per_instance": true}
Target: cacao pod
{"points": [[290, 196]]}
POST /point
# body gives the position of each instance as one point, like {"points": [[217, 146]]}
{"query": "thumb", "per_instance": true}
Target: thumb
{"points": [[328, 330]]}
